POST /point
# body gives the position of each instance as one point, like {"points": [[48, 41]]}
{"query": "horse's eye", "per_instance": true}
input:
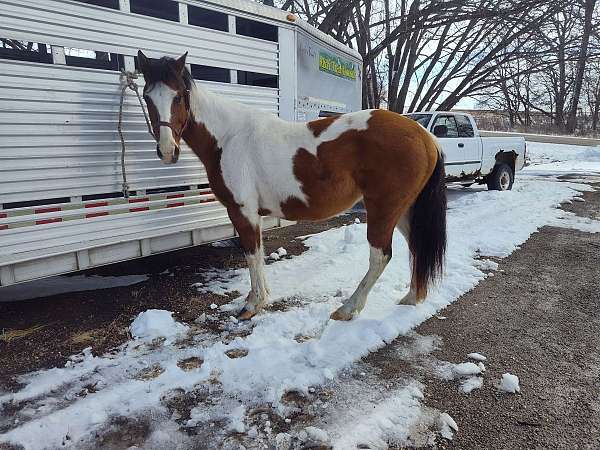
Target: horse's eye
{"points": [[177, 99]]}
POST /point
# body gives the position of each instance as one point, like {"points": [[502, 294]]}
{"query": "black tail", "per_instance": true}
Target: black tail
{"points": [[428, 230]]}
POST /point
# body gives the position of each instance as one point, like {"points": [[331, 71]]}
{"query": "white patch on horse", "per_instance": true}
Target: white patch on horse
{"points": [[258, 148], [162, 97]]}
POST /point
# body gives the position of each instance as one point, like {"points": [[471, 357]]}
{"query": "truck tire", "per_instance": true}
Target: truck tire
{"points": [[501, 179]]}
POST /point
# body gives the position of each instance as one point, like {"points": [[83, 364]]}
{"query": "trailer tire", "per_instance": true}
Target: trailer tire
{"points": [[501, 178]]}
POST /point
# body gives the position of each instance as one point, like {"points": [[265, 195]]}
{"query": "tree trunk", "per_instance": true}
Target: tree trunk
{"points": [[581, 62]]}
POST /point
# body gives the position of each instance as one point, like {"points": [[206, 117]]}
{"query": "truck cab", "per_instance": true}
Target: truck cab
{"points": [[469, 157]]}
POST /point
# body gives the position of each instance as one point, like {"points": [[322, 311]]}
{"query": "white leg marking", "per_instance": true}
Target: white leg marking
{"points": [[259, 292], [354, 305]]}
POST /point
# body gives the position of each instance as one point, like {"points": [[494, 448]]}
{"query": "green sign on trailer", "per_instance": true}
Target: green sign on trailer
{"points": [[336, 66]]}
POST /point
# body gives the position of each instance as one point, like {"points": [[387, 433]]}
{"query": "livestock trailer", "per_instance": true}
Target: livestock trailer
{"points": [[62, 208]]}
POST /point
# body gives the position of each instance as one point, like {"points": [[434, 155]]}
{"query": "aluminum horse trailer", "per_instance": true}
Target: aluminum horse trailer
{"points": [[61, 204]]}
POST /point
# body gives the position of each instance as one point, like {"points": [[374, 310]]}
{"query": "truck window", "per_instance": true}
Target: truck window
{"points": [[422, 119], [450, 123], [465, 128]]}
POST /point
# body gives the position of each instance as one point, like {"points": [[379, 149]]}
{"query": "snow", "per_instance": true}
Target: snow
{"points": [[476, 356], [470, 384], [447, 425], [465, 369], [314, 435], [558, 159], [336, 260], [509, 383], [156, 323]]}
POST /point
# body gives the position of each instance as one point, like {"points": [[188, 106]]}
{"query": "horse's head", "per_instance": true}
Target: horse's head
{"points": [[167, 95]]}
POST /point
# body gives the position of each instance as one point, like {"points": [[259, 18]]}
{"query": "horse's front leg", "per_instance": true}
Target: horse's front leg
{"points": [[249, 229]]}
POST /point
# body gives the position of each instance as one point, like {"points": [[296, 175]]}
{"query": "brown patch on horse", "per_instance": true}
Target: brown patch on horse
{"points": [[204, 145], [318, 126], [387, 164], [264, 212]]}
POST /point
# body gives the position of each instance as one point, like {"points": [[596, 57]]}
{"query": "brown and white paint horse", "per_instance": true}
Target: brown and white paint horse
{"points": [[259, 165]]}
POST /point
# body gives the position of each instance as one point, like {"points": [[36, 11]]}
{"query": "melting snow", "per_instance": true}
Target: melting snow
{"points": [[509, 383], [156, 323]]}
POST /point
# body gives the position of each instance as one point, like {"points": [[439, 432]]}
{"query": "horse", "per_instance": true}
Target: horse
{"points": [[260, 165]]}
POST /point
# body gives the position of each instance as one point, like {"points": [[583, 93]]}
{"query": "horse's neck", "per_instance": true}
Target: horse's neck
{"points": [[222, 117]]}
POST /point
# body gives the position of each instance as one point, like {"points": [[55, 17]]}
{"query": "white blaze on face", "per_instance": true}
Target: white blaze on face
{"points": [[162, 97]]}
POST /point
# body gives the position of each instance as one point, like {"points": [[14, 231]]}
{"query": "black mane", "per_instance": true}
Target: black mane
{"points": [[163, 70]]}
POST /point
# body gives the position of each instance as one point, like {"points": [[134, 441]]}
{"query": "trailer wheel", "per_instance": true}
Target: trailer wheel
{"points": [[501, 179]]}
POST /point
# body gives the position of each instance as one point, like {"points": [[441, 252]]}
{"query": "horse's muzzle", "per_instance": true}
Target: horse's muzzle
{"points": [[174, 158]]}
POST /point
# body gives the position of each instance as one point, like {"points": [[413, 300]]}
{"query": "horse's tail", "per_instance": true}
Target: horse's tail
{"points": [[427, 241]]}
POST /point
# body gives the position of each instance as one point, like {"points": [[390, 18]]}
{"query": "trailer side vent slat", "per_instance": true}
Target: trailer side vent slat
{"points": [[257, 79], [156, 8], [112, 4], [25, 51], [207, 18], [259, 30], [208, 73]]}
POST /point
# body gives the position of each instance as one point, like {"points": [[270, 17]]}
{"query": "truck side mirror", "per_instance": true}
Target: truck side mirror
{"points": [[440, 131]]}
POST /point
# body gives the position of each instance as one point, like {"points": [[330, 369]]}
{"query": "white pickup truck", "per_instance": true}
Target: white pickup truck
{"points": [[471, 158]]}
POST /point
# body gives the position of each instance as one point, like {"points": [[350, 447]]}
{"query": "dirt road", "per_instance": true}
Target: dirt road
{"points": [[537, 318]]}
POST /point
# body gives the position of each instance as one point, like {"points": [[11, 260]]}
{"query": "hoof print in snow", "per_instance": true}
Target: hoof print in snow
{"points": [[294, 397], [150, 372], [236, 353], [190, 363]]}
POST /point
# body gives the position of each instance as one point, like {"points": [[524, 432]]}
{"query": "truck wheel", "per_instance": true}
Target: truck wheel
{"points": [[501, 179]]}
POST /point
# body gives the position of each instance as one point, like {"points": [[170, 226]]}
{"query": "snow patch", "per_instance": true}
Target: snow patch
{"points": [[509, 383], [466, 369], [447, 425], [156, 323], [470, 384], [476, 356]]}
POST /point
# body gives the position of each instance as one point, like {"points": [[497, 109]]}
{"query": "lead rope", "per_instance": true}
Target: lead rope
{"points": [[127, 80]]}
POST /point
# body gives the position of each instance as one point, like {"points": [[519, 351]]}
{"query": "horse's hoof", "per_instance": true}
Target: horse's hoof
{"points": [[408, 300], [246, 314], [340, 314]]}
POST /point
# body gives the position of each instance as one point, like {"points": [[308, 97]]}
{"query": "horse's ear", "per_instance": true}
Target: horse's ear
{"points": [[180, 63], [143, 61]]}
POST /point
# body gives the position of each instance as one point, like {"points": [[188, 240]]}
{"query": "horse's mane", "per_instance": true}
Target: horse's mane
{"points": [[163, 69]]}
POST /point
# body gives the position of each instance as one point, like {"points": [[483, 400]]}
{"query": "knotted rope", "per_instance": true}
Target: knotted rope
{"points": [[127, 80]]}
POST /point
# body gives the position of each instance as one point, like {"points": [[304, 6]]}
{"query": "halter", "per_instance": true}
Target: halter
{"points": [[179, 133]]}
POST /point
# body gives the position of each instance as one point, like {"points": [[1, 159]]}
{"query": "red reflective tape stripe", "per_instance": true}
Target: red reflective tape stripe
{"points": [[46, 210], [3, 215], [98, 214], [3, 227], [43, 222], [96, 205], [175, 196], [175, 205], [138, 200], [143, 208]]}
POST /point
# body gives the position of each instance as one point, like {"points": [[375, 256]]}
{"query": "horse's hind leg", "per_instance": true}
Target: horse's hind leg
{"points": [[249, 228], [411, 297], [380, 227]]}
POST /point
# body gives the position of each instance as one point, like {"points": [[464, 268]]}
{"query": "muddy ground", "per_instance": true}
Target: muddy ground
{"points": [[537, 317]]}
